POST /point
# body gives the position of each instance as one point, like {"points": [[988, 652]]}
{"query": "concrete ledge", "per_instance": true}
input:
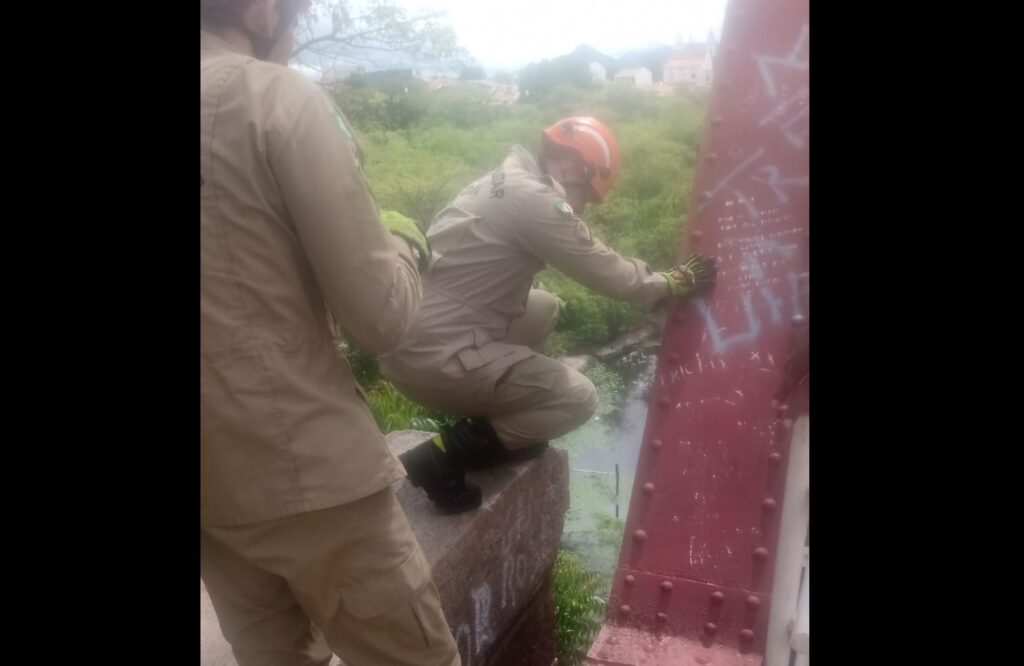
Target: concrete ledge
{"points": [[489, 564]]}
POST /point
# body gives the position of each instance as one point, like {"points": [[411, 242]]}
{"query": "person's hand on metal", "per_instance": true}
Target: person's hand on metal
{"points": [[691, 277], [406, 228]]}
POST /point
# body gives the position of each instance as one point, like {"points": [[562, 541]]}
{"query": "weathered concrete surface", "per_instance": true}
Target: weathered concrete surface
{"points": [[530, 641], [213, 649], [489, 564]]}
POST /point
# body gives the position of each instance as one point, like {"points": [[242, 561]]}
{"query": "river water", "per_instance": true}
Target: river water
{"points": [[602, 458]]}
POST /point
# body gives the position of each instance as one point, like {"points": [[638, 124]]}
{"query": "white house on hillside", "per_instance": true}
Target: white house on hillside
{"points": [[690, 64], [638, 76]]}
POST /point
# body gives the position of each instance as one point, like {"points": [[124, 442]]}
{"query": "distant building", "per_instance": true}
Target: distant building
{"points": [[691, 64], [638, 76], [496, 94], [505, 93], [429, 73]]}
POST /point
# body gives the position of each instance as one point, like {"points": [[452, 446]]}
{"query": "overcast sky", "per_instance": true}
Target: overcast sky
{"points": [[510, 34]]}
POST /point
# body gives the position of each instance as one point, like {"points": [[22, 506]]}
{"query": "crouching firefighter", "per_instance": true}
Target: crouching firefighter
{"points": [[475, 346]]}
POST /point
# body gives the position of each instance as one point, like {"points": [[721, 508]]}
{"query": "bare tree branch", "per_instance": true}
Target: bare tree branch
{"points": [[383, 27], [351, 39]]}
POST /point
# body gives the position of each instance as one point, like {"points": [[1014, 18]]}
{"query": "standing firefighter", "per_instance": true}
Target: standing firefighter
{"points": [[474, 347], [299, 526]]}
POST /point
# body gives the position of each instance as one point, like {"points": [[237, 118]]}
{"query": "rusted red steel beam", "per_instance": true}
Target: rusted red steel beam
{"points": [[693, 584]]}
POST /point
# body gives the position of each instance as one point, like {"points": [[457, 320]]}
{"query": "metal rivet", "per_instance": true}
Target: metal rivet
{"points": [[769, 504], [648, 488], [710, 628], [761, 553], [630, 579], [782, 408], [753, 602], [797, 321], [664, 402], [625, 609], [717, 597], [649, 648], [705, 196], [703, 661], [662, 617], [667, 586], [787, 423], [640, 535], [711, 157], [613, 640], [655, 444], [747, 635], [696, 235], [775, 458]]}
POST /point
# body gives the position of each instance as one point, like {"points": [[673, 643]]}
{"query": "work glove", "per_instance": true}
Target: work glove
{"points": [[695, 275], [407, 229]]}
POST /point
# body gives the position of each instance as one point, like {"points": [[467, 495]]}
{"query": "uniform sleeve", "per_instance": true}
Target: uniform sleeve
{"points": [[368, 277], [548, 230]]}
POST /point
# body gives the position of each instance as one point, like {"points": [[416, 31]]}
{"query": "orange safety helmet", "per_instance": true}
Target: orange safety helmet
{"points": [[594, 142]]}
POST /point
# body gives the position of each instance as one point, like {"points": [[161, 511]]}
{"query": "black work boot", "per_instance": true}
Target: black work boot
{"points": [[442, 476], [480, 447]]}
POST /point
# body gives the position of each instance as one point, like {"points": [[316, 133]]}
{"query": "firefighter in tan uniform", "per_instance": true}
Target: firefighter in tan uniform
{"points": [[473, 349], [300, 532]]}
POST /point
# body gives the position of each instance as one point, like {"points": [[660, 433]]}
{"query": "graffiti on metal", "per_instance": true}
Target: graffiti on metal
{"points": [[702, 530]]}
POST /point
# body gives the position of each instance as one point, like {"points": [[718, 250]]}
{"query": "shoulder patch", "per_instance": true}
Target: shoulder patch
{"points": [[564, 208], [583, 231]]}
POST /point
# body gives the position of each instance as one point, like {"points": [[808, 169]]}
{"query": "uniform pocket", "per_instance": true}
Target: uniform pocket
{"points": [[374, 597], [476, 357]]}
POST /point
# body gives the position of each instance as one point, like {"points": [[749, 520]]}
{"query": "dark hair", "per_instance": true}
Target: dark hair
{"points": [[229, 12], [222, 11]]}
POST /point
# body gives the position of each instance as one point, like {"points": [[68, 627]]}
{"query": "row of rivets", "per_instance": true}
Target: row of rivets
{"points": [[752, 603]]}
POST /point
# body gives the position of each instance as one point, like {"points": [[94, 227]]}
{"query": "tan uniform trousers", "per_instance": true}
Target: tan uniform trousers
{"points": [[536, 400], [354, 571]]}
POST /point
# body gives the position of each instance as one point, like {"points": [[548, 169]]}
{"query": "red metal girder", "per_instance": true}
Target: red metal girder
{"points": [[705, 505], [626, 646], [703, 612]]}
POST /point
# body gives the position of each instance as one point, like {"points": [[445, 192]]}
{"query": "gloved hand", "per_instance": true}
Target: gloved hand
{"points": [[405, 228], [694, 275]]}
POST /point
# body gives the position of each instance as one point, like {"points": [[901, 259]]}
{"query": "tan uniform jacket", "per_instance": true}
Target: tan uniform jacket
{"points": [[287, 226], [488, 244]]}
